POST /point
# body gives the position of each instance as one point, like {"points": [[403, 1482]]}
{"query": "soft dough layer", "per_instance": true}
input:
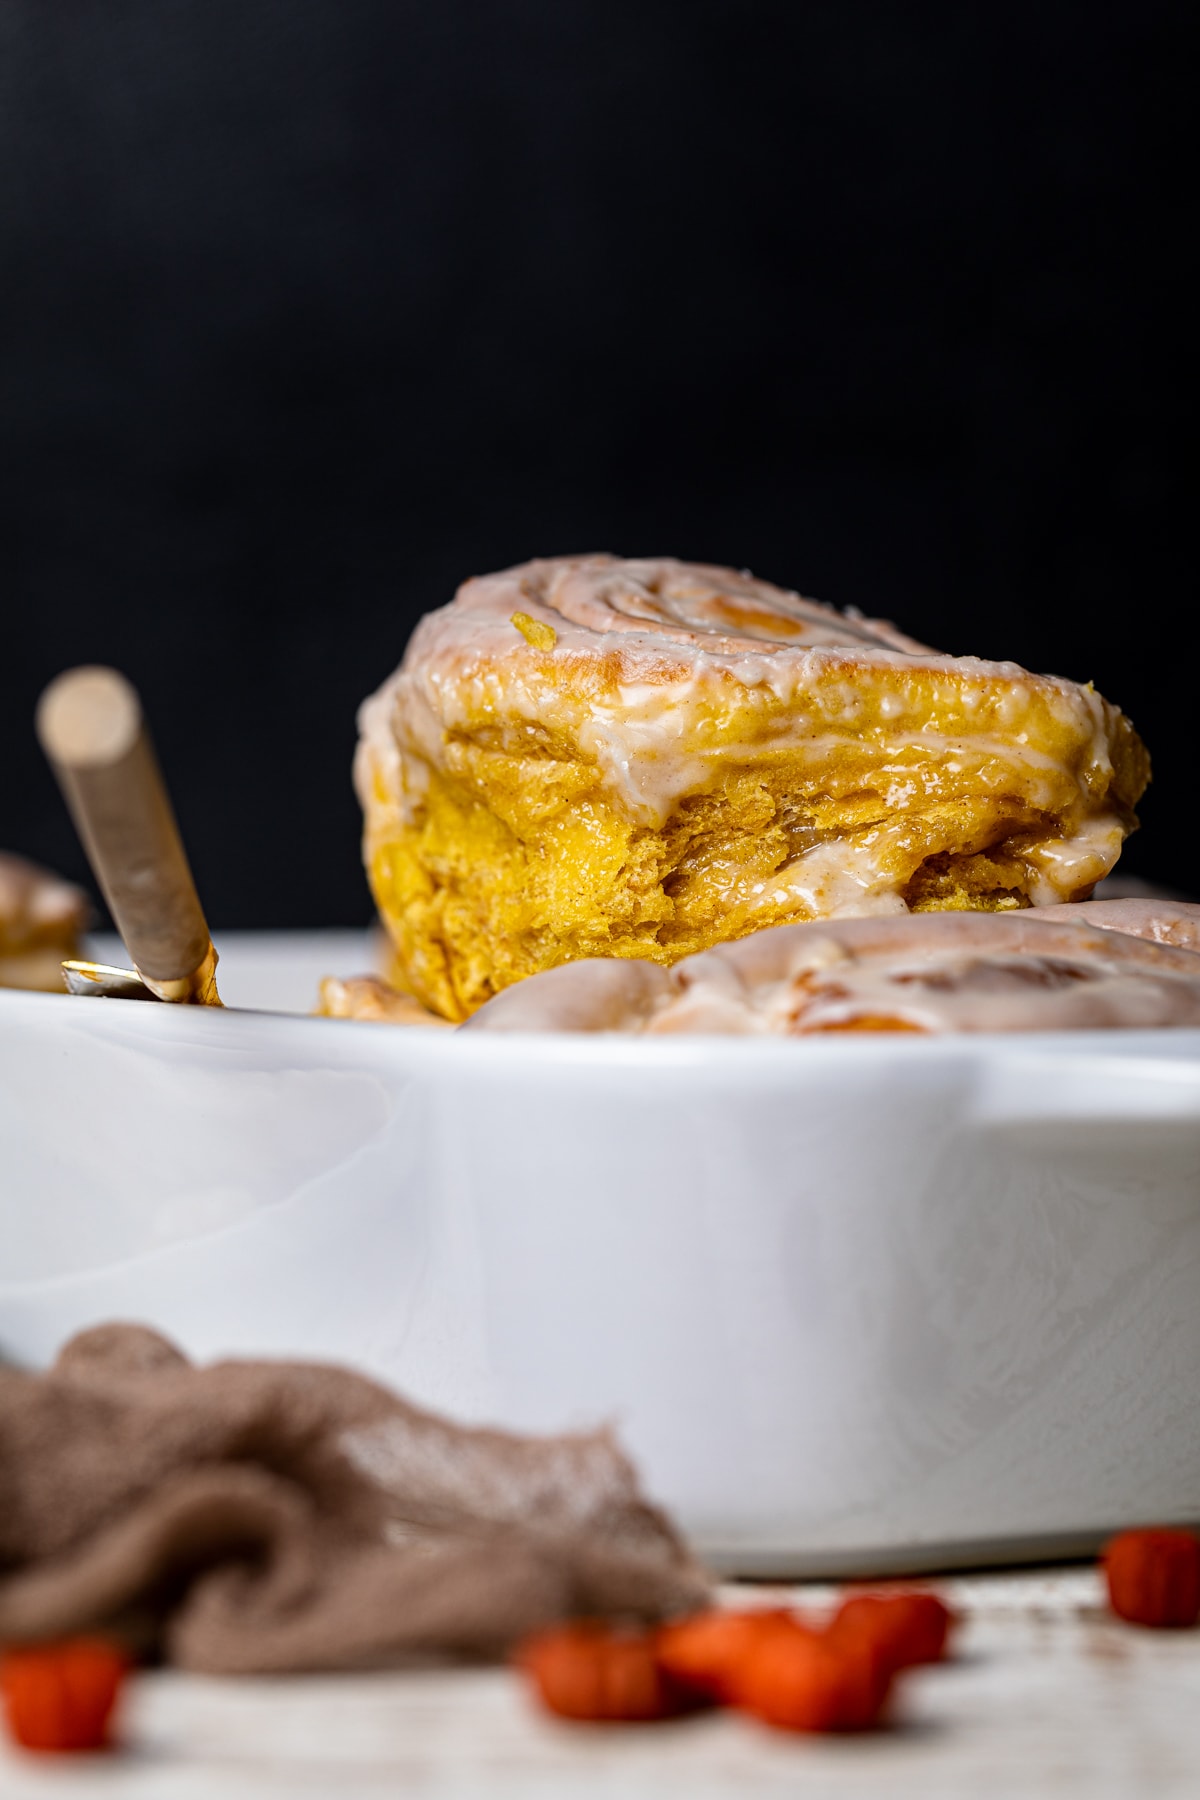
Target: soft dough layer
{"points": [[588, 757]]}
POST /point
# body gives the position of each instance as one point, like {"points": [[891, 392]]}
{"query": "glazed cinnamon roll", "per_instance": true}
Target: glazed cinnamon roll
{"points": [[953, 972], [366, 998], [586, 756], [41, 918]]}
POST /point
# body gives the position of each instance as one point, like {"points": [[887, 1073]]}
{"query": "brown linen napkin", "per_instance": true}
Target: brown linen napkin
{"points": [[255, 1516]]}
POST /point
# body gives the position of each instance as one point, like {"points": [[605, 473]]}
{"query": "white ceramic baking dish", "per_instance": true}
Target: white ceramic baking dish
{"points": [[854, 1304]]}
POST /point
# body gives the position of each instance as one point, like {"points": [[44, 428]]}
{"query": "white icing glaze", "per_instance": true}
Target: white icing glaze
{"points": [[934, 972], [843, 878], [1067, 865], [695, 603], [1161, 921]]}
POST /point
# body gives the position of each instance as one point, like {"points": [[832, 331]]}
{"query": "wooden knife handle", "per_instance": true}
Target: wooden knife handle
{"points": [[90, 724]]}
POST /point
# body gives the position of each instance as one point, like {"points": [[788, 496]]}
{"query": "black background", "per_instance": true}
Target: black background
{"points": [[309, 308]]}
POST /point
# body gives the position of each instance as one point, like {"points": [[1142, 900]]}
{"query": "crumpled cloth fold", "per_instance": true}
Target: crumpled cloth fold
{"points": [[268, 1516]]}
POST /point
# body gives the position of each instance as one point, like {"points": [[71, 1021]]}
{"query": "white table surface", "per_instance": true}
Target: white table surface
{"points": [[1049, 1696]]}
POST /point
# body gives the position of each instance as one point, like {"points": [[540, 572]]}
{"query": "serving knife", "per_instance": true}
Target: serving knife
{"points": [[91, 726]]}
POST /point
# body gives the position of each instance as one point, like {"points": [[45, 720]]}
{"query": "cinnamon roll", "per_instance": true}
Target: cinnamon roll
{"points": [[586, 756], [366, 998], [41, 918], [952, 972]]}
